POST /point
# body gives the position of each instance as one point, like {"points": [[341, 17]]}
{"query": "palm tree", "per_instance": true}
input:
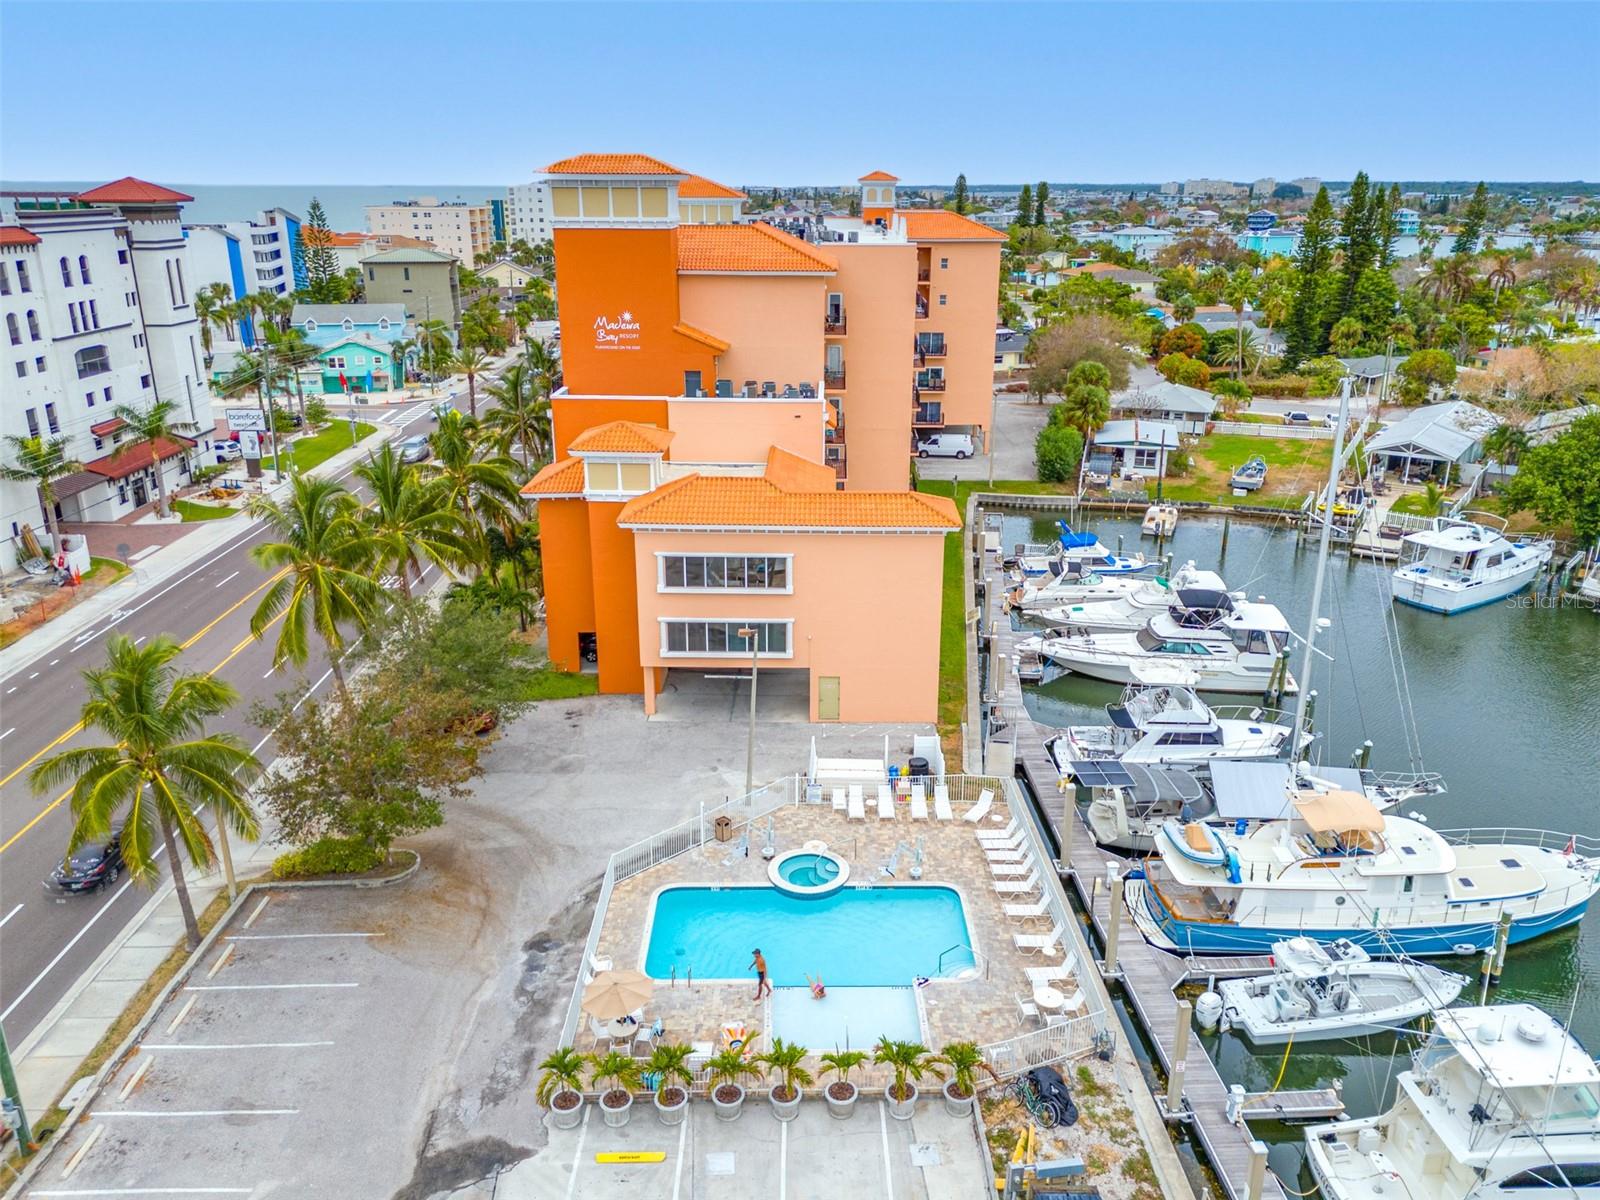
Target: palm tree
{"points": [[1237, 294], [1503, 274], [409, 519], [1504, 443], [41, 462], [1086, 408], [1345, 335], [499, 589], [521, 415], [323, 557], [471, 361], [543, 363], [1246, 355], [150, 427], [909, 1061], [401, 351], [1448, 279], [291, 350], [160, 768], [209, 303], [433, 339], [1432, 500], [787, 1061], [482, 490]]}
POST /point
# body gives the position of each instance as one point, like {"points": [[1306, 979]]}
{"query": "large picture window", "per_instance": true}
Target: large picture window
{"points": [[720, 639], [92, 360], [724, 572]]}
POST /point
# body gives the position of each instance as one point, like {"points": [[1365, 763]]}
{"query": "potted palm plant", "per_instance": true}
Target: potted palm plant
{"points": [[727, 1093], [841, 1094], [669, 1063], [622, 1073], [560, 1088], [965, 1060], [785, 1060], [909, 1061]]}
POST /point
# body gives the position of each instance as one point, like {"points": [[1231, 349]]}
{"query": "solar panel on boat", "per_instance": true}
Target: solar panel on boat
{"points": [[1100, 773]]}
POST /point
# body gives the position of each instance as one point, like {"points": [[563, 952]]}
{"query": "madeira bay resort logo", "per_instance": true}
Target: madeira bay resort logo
{"points": [[616, 333]]}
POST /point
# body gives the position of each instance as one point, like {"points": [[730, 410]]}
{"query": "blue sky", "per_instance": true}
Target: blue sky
{"points": [[780, 93]]}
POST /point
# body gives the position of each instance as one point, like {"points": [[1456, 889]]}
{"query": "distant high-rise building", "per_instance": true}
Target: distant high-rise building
{"points": [[454, 226], [1307, 184], [1262, 188], [1220, 188], [528, 213], [1173, 188]]}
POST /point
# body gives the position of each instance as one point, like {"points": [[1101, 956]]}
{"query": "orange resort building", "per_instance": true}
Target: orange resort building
{"points": [[732, 441]]}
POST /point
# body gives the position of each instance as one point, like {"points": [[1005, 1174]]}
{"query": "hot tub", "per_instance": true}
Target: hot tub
{"points": [[811, 871]]}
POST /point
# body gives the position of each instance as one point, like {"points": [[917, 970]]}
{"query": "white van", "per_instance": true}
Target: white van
{"points": [[946, 445]]}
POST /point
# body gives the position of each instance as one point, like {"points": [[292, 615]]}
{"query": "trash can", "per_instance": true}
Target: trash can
{"points": [[918, 767], [724, 828]]}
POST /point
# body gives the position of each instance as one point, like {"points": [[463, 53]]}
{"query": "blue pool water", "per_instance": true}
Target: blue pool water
{"points": [[809, 870], [857, 937]]}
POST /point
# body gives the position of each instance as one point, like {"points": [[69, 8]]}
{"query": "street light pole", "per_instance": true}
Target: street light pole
{"points": [[750, 634]]}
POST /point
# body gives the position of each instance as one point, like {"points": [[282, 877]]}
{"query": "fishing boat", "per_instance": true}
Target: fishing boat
{"points": [[1169, 723], [1078, 553], [1457, 565], [1160, 520], [1500, 1101], [1338, 867], [1232, 646], [1188, 588], [1250, 476], [1319, 990]]}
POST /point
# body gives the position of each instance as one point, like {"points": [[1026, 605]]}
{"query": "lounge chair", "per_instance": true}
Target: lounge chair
{"points": [[919, 803], [1017, 887], [1038, 908], [1010, 835], [1038, 941], [1042, 975], [885, 803], [1017, 868], [838, 800], [1005, 854], [980, 810], [858, 807], [941, 803]]}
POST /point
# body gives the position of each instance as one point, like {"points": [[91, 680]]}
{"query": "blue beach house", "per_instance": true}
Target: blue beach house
{"points": [[326, 324]]}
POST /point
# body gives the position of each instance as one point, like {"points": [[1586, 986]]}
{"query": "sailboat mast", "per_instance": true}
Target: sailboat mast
{"points": [[1303, 695]]}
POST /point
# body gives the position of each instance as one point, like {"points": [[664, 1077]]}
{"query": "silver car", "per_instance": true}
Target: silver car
{"points": [[415, 449]]}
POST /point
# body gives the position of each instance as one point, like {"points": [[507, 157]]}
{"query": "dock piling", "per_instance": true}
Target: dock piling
{"points": [[1180, 1057], [1114, 928], [1223, 553], [1258, 1171], [1502, 939]]}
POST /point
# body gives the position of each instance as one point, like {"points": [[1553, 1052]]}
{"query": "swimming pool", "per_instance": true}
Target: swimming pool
{"points": [[857, 937]]}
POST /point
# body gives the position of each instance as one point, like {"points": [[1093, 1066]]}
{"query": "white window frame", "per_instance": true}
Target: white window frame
{"points": [[336, 361], [620, 493], [663, 587], [663, 622]]}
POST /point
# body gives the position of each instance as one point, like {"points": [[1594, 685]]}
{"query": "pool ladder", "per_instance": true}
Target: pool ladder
{"points": [[688, 976], [979, 962]]}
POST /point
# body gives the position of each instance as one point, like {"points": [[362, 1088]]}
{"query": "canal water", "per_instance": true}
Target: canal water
{"points": [[1505, 703]]}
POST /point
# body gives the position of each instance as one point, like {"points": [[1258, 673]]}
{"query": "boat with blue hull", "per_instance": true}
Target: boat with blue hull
{"points": [[1340, 868], [1075, 554]]}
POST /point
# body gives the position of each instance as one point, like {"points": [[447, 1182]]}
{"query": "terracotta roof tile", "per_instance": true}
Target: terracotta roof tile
{"points": [[622, 437], [101, 428], [564, 478], [15, 235], [743, 502], [129, 190], [119, 465], [792, 473], [698, 187], [879, 177], [612, 164], [941, 225], [753, 248]]}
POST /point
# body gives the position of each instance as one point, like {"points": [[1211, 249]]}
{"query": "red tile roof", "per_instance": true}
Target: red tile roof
{"points": [[698, 187], [942, 225], [879, 177], [129, 190], [792, 473], [744, 502], [122, 463], [622, 437], [15, 235], [612, 164], [748, 248], [564, 478], [100, 429]]}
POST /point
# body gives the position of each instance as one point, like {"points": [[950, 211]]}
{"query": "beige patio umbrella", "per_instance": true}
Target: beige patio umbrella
{"points": [[613, 994]]}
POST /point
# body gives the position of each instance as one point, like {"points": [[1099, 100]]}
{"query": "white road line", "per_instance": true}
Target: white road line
{"points": [[53, 662], [9, 690], [235, 1045], [196, 1112], [677, 1166], [10, 914], [189, 1191], [133, 1080], [35, 675], [311, 689], [262, 987], [282, 937], [65, 950], [577, 1155], [267, 674], [220, 582], [137, 640], [8, 732], [251, 919], [883, 1129]]}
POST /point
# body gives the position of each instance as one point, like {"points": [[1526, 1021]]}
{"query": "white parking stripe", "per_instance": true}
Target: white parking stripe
{"points": [[189, 1191], [677, 1166], [10, 914], [783, 1160], [8, 732], [262, 987], [279, 937], [234, 1045], [196, 1112], [577, 1155], [888, 1170]]}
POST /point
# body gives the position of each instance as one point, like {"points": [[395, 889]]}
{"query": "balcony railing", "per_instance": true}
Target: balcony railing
{"points": [[930, 383], [833, 324], [927, 416], [924, 274], [932, 348], [832, 378], [922, 309], [834, 456]]}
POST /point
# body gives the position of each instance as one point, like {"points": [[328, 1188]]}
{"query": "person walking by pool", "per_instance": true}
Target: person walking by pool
{"points": [[763, 985]]}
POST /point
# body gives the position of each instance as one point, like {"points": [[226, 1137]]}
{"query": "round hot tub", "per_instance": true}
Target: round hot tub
{"points": [[812, 871]]}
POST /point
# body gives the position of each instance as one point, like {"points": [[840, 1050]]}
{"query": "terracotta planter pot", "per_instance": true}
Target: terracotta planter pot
{"points": [[617, 1116], [956, 1106], [901, 1110], [566, 1118], [727, 1101], [785, 1110], [842, 1107], [674, 1112]]}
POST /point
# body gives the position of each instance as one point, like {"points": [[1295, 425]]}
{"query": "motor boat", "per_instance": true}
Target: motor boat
{"points": [[1251, 476], [1320, 990], [1230, 646], [1062, 587], [1458, 565], [1079, 553], [1500, 1101], [1160, 520], [1338, 867], [1169, 723], [1189, 588]]}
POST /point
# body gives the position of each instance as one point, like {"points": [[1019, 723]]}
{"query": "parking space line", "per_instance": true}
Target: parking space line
{"points": [[133, 1081], [888, 1170], [251, 919], [222, 961], [182, 1013], [10, 914], [677, 1169], [783, 1160], [82, 1152], [197, 1112], [280, 937], [262, 987], [156, 1191], [235, 1045], [577, 1155]]}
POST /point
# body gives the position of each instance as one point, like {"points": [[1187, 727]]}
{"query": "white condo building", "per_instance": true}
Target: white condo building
{"points": [[97, 302], [528, 213], [454, 227]]}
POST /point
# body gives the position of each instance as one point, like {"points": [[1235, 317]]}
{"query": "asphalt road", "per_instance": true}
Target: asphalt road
{"points": [[46, 941]]}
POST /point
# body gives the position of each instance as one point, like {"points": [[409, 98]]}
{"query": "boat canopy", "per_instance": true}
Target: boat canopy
{"points": [[1517, 1045], [1250, 791], [1338, 812], [1076, 541], [1160, 674]]}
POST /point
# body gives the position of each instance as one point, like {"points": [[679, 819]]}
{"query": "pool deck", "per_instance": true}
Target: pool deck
{"points": [[981, 1008]]}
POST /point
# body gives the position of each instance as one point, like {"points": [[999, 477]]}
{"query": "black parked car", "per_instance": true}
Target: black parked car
{"points": [[94, 865]]}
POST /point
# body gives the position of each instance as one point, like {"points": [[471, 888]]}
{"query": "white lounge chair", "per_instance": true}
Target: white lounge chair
{"points": [[1008, 854], [919, 803], [1010, 835], [838, 800], [885, 803], [998, 869], [1037, 941], [1038, 908], [1017, 887], [858, 805], [980, 810], [1041, 975], [941, 803]]}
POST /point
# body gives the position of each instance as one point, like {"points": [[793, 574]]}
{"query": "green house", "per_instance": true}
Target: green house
{"points": [[358, 363]]}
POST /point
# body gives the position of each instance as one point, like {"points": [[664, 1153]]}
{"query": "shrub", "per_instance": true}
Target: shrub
{"points": [[1182, 339], [1290, 386], [327, 856], [1180, 462], [316, 412], [1194, 373], [1171, 364], [1057, 452], [207, 474]]}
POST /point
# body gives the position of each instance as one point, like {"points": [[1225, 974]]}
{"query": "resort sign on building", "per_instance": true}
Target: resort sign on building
{"points": [[616, 333]]}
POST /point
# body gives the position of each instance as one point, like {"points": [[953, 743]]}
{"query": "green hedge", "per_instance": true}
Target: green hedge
{"points": [[327, 856], [1284, 385]]}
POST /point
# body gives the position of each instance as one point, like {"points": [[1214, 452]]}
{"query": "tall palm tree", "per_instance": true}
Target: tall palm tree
{"points": [[1244, 355], [41, 462], [209, 303], [471, 361], [410, 519], [151, 427], [433, 339], [1504, 443], [1086, 408], [401, 351], [1503, 273], [160, 768], [520, 416], [291, 351], [325, 552], [480, 487], [1237, 294]]}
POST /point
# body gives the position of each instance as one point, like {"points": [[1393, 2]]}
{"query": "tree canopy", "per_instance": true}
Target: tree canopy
{"points": [[1560, 480]]}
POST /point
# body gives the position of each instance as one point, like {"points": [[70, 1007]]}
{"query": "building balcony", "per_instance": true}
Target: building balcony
{"points": [[833, 324], [929, 383], [927, 415], [922, 308], [930, 346], [924, 274], [833, 379], [836, 458]]}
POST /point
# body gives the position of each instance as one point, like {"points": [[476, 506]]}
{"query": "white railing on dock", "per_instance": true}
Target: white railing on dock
{"points": [[1071, 1038]]}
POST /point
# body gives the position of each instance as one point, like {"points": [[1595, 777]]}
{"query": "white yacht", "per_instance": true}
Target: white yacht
{"points": [[1337, 867], [1234, 647], [1076, 553], [1189, 587], [1171, 724], [1500, 1101], [1459, 565], [1062, 587], [1321, 990]]}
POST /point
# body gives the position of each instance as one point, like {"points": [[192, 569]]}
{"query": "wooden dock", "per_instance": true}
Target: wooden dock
{"points": [[1308, 1104], [1148, 975]]}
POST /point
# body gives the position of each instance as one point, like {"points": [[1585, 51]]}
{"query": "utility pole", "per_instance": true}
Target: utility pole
{"points": [[264, 395], [751, 634], [8, 1079]]}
